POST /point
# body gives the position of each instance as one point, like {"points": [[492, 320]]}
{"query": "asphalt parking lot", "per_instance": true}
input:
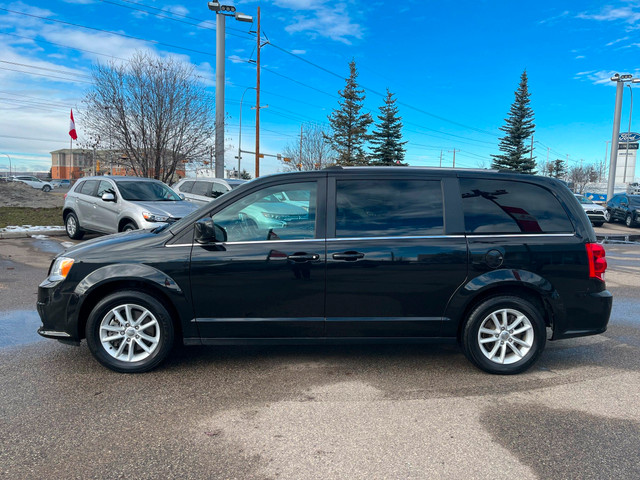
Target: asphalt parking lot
{"points": [[347, 412]]}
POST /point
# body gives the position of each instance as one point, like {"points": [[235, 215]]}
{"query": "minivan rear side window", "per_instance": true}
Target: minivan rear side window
{"points": [[388, 208], [503, 206]]}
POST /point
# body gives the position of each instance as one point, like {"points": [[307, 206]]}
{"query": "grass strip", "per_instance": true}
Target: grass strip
{"points": [[19, 216]]}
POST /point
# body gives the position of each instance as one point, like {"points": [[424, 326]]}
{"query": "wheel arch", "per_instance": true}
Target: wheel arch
{"points": [[143, 278], [124, 220], [539, 292]]}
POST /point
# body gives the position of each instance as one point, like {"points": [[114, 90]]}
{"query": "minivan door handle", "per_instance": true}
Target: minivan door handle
{"points": [[303, 257], [348, 256]]}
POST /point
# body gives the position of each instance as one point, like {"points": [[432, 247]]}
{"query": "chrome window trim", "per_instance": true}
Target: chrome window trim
{"points": [[422, 237], [524, 235]]}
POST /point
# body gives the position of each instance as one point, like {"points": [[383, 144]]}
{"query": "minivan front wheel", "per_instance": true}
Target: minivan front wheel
{"points": [[504, 335], [130, 332], [72, 226]]}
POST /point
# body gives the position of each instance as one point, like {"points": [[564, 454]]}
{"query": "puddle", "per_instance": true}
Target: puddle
{"points": [[48, 246], [19, 327]]}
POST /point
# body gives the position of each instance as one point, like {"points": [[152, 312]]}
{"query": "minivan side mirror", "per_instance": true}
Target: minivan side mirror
{"points": [[208, 232], [108, 197]]}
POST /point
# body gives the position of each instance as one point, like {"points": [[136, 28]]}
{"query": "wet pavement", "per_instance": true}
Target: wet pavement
{"points": [[342, 412]]}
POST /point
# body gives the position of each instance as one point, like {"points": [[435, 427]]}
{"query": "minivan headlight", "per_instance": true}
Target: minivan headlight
{"points": [[151, 217], [60, 268]]}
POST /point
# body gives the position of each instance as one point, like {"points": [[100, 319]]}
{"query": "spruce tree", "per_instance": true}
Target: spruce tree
{"points": [[348, 125], [388, 148], [519, 127]]}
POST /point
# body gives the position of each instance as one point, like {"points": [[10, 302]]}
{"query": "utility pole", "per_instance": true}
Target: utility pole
{"points": [[531, 153], [454, 156], [300, 162], [257, 167]]}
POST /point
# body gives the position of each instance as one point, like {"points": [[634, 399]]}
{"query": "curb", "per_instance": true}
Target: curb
{"points": [[619, 238], [31, 233]]}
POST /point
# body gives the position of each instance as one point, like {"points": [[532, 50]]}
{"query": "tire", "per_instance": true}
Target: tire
{"points": [[491, 345], [597, 224], [629, 221], [130, 332], [127, 227], [46, 188], [608, 217], [72, 226]]}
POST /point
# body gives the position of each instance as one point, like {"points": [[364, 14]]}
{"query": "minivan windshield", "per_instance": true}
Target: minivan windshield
{"points": [[146, 192]]}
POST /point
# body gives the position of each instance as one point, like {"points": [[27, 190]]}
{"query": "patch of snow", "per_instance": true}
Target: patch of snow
{"points": [[67, 244], [39, 236], [31, 228]]}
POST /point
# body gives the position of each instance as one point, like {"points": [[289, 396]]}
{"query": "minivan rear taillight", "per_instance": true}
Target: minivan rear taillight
{"points": [[597, 262]]}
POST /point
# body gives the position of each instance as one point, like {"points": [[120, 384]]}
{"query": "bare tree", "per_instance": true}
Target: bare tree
{"points": [[312, 152], [582, 176], [153, 112]]}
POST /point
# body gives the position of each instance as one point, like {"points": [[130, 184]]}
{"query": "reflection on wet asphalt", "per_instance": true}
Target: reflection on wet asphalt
{"points": [[19, 328], [47, 245]]}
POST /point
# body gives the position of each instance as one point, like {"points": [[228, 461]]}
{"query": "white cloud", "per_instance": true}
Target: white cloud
{"points": [[613, 42], [177, 9], [299, 52], [601, 77], [236, 59], [627, 15], [578, 57]]}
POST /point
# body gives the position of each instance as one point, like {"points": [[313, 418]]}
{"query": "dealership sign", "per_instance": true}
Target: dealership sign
{"points": [[629, 137]]}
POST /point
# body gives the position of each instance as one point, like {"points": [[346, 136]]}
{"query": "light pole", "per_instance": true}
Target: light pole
{"points": [[626, 153], [620, 81], [222, 11], [9, 162], [240, 130]]}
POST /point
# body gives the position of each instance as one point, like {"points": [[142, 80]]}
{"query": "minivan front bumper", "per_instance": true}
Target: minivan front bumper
{"points": [[54, 305]]}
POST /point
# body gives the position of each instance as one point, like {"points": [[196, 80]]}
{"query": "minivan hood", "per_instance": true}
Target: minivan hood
{"points": [[175, 209], [110, 243]]}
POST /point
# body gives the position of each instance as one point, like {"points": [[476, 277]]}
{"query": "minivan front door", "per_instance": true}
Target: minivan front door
{"points": [[390, 268], [267, 278]]}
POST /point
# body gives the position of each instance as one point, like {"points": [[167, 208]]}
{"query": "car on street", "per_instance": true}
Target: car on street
{"points": [[203, 189], [33, 182], [105, 204], [486, 259], [625, 208], [61, 183], [597, 213]]}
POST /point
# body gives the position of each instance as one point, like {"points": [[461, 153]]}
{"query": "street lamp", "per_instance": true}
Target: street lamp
{"points": [[222, 11], [620, 81], [9, 162]]}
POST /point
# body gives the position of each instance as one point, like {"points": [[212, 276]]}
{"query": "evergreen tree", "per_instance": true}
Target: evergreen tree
{"points": [[519, 127], [388, 148], [558, 169], [349, 126]]}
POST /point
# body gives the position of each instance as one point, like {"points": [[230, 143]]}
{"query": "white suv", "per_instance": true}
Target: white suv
{"points": [[34, 182]]}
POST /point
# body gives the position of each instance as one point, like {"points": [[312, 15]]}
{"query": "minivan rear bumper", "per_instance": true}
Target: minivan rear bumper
{"points": [[590, 316]]}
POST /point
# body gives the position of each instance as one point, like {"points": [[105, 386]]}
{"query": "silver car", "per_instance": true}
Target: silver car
{"points": [[117, 204], [596, 213], [202, 190]]}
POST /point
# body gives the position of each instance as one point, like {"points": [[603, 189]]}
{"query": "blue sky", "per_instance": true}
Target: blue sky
{"points": [[453, 67]]}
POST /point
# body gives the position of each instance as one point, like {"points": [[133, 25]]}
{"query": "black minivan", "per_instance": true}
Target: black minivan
{"points": [[365, 254]]}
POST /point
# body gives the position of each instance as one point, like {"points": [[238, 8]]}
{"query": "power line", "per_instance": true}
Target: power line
{"points": [[46, 69], [155, 42], [63, 46], [44, 75]]}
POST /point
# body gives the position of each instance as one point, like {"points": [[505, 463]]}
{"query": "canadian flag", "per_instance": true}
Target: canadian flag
{"points": [[72, 127]]}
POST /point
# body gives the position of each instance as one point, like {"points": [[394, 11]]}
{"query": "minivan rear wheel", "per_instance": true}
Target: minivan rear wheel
{"points": [[130, 332], [504, 335]]}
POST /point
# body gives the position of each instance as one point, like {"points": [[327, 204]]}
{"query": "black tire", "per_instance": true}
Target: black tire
{"points": [[46, 188], [505, 339], [629, 221], [106, 351], [608, 217], [72, 226], [127, 227], [597, 224]]}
